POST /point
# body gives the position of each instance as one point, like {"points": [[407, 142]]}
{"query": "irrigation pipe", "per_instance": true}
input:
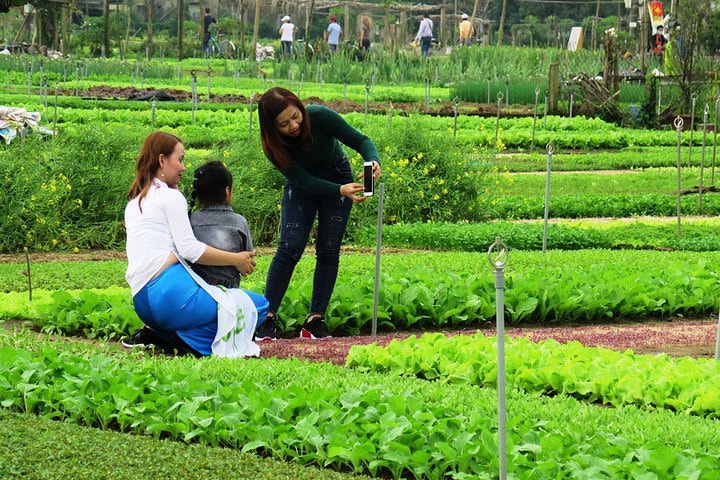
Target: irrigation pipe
{"points": [[378, 245], [532, 141], [678, 126], [550, 150], [692, 127], [702, 157], [498, 257]]}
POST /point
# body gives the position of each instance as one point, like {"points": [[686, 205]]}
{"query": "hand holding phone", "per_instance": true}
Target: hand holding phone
{"points": [[368, 179]]}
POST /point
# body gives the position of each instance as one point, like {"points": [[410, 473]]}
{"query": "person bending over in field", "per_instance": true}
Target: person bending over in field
{"points": [[304, 145], [180, 310]]}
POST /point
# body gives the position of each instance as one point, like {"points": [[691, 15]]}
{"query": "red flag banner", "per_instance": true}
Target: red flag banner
{"points": [[656, 14]]}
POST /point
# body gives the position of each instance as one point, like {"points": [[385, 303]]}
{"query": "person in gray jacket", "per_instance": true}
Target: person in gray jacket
{"points": [[215, 223]]}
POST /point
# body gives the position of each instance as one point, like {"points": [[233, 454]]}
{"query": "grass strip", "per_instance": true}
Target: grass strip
{"points": [[37, 447], [379, 424]]}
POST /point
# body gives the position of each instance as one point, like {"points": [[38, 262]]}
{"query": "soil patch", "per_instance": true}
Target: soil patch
{"points": [[435, 108]]}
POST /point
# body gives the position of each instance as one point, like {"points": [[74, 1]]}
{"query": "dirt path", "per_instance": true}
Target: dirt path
{"points": [[580, 172]]}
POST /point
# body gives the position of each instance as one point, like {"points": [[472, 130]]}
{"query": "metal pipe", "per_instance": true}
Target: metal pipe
{"points": [[678, 126], [378, 245], [498, 256], [550, 150]]}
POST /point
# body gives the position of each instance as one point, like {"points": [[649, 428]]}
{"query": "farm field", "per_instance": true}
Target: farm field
{"points": [[610, 337]]}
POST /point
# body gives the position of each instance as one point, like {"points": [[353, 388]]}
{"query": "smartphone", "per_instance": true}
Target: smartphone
{"points": [[368, 179]]}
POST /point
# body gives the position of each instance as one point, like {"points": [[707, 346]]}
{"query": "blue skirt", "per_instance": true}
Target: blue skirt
{"points": [[174, 302]]}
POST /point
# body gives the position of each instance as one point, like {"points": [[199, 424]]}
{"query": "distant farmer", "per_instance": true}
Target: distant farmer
{"points": [[365, 31], [466, 31], [208, 20], [287, 31], [332, 34], [425, 34], [657, 42]]}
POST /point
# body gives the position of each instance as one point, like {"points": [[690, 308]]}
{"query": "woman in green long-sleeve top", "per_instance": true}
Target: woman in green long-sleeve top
{"points": [[304, 144]]}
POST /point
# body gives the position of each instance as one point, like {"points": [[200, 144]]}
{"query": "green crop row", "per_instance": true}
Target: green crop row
{"points": [[422, 297], [685, 385], [63, 450], [365, 423], [698, 236], [82, 275], [623, 159]]}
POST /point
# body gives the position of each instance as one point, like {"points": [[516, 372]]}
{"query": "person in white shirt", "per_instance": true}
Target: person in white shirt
{"points": [[332, 34], [179, 309], [425, 34], [287, 31]]}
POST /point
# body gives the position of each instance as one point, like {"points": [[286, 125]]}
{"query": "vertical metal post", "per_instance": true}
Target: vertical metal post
{"points": [[208, 84], [572, 99], [678, 126], [545, 111], [715, 133], [456, 108], [717, 337], [179, 73], [77, 79], [659, 98], [498, 256], [302, 81], [702, 157], [488, 90], [367, 99], [437, 74], [42, 82], [390, 114], [29, 82], [378, 244], [345, 89], [507, 93], [250, 120], [193, 96], [497, 119], [550, 150], [532, 141], [692, 128], [152, 112], [55, 109]]}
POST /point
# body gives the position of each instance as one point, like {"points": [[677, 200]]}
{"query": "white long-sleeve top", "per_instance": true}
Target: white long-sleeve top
{"points": [[425, 30], [162, 227]]}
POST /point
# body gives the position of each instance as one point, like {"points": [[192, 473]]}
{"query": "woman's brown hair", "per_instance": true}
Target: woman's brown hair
{"points": [[148, 162], [277, 147]]}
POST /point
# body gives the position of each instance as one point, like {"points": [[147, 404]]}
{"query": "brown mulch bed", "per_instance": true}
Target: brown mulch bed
{"points": [[677, 338], [441, 108]]}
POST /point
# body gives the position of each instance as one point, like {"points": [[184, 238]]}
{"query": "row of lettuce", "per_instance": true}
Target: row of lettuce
{"points": [[233, 119], [430, 297], [366, 423]]}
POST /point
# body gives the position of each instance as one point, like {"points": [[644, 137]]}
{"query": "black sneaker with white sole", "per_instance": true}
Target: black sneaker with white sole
{"points": [[315, 329], [266, 331], [143, 338]]}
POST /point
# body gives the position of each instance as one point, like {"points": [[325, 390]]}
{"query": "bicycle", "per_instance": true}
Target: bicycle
{"points": [[225, 48]]}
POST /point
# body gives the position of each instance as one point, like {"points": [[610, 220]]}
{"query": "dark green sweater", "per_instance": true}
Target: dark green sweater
{"points": [[327, 128]]}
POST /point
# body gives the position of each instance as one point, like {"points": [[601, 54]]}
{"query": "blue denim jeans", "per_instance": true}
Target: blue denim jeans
{"points": [[425, 45], [299, 209]]}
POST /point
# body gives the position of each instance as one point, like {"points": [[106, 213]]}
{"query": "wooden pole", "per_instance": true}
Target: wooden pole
{"points": [[554, 89], [181, 27], [106, 28], [594, 24], [256, 27], [346, 28], [149, 40], [443, 40], [502, 23]]}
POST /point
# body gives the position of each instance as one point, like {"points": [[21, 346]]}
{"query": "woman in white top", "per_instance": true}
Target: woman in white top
{"points": [[180, 310], [287, 30]]}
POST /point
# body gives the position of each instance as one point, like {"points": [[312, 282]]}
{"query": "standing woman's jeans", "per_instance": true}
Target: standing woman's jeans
{"points": [[299, 208], [286, 47]]}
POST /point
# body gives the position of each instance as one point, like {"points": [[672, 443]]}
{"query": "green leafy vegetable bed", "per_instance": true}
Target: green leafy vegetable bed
{"points": [[594, 374], [365, 422]]}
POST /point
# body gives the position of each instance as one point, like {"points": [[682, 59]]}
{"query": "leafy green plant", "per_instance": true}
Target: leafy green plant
{"points": [[547, 367]]}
